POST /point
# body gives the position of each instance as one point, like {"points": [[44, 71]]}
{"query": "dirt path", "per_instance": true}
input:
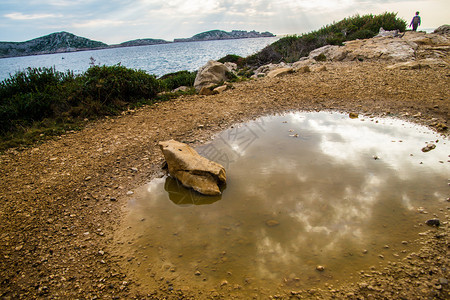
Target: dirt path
{"points": [[61, 201]]}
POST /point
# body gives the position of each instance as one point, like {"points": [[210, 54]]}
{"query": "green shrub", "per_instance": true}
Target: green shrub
{"points": [[238, 60], [172, 81], [45, 101]]}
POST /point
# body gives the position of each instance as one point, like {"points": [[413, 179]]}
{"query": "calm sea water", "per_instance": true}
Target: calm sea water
{"points": [[154, 59]]}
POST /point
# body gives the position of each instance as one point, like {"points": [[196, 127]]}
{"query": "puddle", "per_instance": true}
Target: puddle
{"points": [[303, 190]]}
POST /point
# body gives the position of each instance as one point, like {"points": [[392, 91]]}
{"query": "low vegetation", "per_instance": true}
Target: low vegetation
{"points": [[291, 48], [42, 102]]}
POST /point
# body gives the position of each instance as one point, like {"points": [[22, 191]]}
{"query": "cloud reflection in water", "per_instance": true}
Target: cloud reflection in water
{"points": [[324, 188]]}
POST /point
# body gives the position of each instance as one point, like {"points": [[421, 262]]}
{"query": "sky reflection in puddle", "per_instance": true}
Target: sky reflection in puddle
{"points": [[303, 189]]}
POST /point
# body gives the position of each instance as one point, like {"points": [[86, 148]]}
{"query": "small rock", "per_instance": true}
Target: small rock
{"points": [[197, 273], [220, 89], [130, 193], [320, 268], [428, 147], [206, 91], [353, 115], [224, 282], [441, 127], [272, 223], [433, 222], [443, 281]]}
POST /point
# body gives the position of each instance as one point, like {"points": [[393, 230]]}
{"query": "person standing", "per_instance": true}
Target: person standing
{"points": [[415, 22]]}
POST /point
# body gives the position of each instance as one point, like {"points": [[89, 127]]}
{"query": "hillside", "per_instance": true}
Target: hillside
{"points": [[224, 35], [52, 43], [142, 42]]}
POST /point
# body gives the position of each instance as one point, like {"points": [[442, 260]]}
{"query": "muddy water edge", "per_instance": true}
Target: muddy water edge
{"points": [[313, 202]]}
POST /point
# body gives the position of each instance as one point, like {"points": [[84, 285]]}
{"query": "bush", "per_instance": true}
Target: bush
{"points": [[44, 98], [238, 60], [172, 81]]}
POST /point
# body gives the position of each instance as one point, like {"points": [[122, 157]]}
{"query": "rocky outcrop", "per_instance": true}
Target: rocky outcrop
{"points": [[410, 50], [211, 74], [443, 29], [191, 169], [400, 48]]}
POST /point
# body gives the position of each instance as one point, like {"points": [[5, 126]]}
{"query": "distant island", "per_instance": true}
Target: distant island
{"points": [[224, 35], [61, 42], [53, 43]]}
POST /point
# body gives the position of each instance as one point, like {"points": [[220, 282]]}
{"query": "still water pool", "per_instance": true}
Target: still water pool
{"points": [[303, 190]]}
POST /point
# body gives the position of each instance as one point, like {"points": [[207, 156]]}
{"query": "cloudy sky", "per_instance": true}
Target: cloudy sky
{"points": [[116, 21]]}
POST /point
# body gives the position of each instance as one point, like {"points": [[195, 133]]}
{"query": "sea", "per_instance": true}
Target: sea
{"points": [[154, 59]]}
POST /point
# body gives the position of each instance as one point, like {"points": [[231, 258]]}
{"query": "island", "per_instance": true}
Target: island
{"points": [[224, 35], [58, 42]]}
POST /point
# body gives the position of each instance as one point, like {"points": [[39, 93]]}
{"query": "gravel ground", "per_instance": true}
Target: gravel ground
{"points": [[62, 201]]}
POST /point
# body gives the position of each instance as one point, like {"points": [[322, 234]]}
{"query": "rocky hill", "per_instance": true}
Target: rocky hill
{"points": [[224, 35], [141, 42], [52, 43]]}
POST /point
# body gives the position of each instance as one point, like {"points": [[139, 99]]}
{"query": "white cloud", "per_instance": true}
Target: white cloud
{"points": [[21, 16], [98, 23]]}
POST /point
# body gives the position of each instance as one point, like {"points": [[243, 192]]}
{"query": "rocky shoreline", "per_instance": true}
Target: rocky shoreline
{"points": [[62, 201]]}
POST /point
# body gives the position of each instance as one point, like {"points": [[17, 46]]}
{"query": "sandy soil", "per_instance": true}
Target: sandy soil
{"points": [[61, 201]]}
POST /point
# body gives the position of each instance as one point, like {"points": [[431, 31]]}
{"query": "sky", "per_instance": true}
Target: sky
{"points": [[117, 21]]}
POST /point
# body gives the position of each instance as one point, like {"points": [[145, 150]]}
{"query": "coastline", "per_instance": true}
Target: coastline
{"points": [[56, 192], [114, 46]]}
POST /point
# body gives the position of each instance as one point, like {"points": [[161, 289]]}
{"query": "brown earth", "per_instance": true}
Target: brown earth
{"points": [[61, 201]]}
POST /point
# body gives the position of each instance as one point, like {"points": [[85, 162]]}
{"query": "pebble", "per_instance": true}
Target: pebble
{"points": [[197, 273], [428, 147], [433, 222], [320, 268], [272, 223]]}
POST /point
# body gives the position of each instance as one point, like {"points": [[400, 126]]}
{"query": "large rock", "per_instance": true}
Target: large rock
{"points": [[279, 72], [382, 32], [191, 169], [443, 29], [211, 74]]}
